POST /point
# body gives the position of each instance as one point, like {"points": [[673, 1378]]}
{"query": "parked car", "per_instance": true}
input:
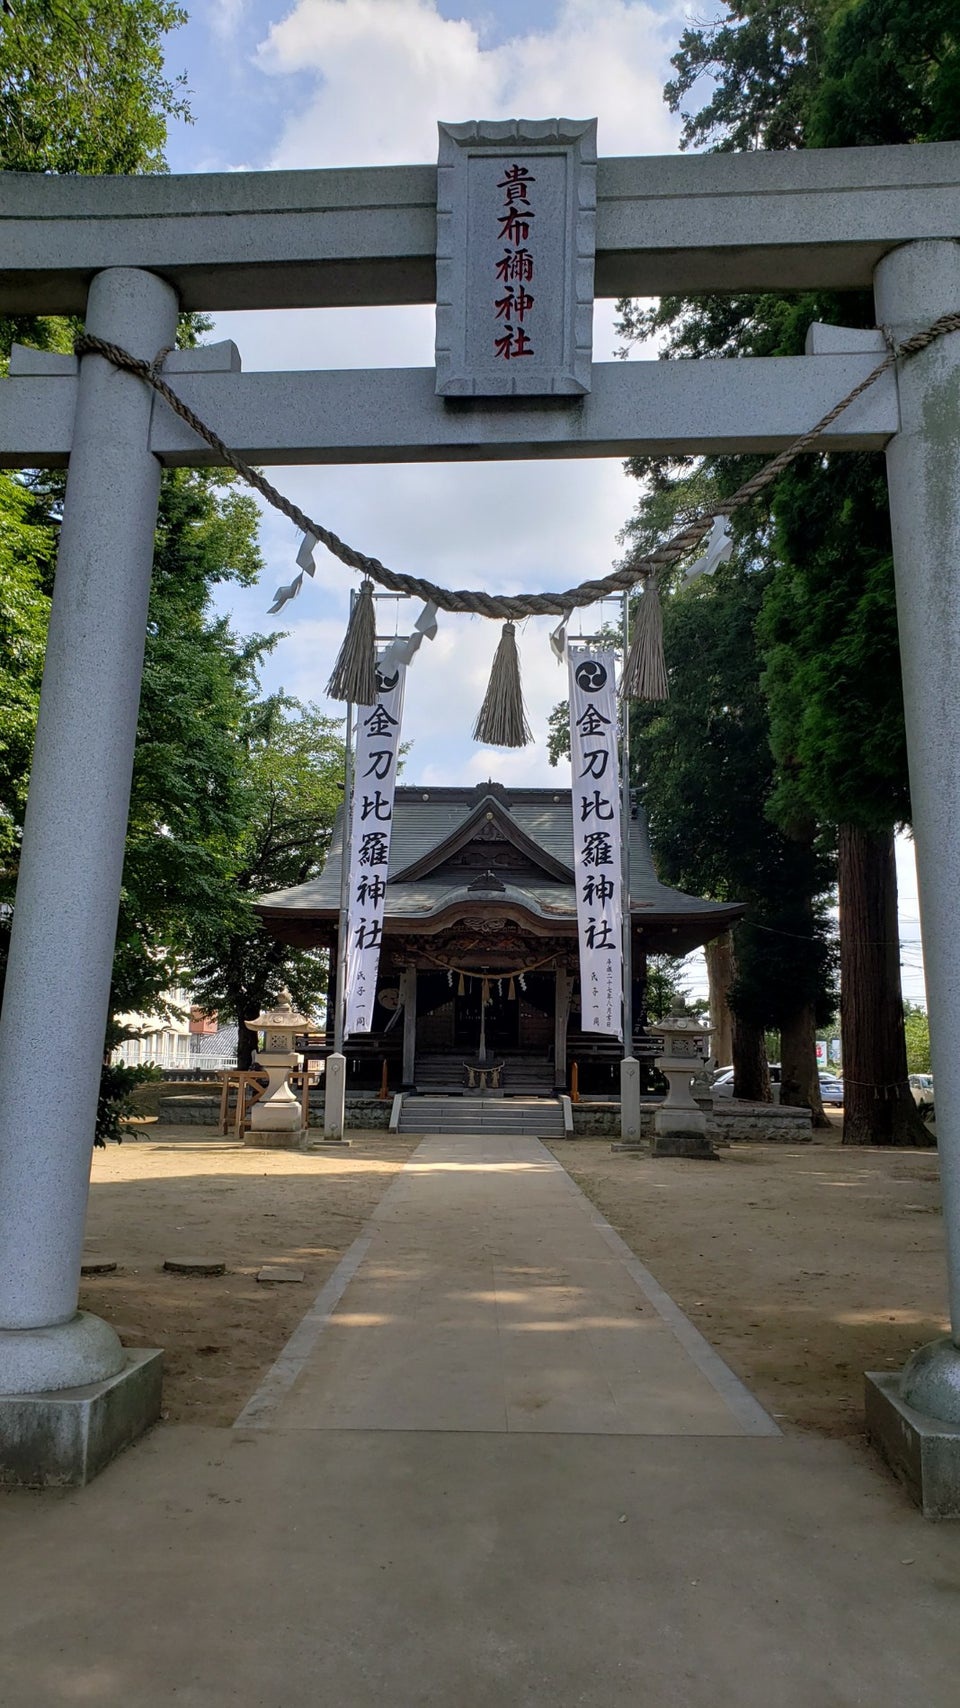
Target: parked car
{"points": [[722, 1083], [831, 1090], [921, 1085]]}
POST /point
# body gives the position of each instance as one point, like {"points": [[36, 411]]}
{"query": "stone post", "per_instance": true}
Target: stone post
{"points": [[64, 925], [914, 285], [334, 1096], [630, 1112]]}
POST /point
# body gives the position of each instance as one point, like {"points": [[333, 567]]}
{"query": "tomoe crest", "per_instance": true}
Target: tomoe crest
{"points": [[591, 676]]}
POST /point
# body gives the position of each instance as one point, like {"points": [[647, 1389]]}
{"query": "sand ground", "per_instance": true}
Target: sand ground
{"points": [[185, 1192], [804, 1266]]}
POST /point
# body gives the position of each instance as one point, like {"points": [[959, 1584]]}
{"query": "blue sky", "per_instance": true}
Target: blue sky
{"points": [[354, 82]]}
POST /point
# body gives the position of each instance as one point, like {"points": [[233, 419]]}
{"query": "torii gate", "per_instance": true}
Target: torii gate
{"points": [[129, 254]]}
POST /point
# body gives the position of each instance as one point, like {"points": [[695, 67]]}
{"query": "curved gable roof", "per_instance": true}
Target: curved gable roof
{"points": [[487, 810]]}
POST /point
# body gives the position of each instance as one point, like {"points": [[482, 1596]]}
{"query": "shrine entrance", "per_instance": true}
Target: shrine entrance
{"points": [[486, 1026], [131, 255]]}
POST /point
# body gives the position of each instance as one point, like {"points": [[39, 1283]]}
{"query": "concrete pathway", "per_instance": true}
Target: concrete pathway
{"points": [[472, 1480], [489, 1294]]}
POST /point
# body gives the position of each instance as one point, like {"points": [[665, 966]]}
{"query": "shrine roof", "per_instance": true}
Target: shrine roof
{"points": [[427, 820]]}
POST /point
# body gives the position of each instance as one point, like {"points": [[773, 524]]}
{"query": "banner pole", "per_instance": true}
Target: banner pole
{"points": [[338, 1019], [625, 823]]}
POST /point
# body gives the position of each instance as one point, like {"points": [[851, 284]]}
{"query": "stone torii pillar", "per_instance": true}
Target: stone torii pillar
{"points": [[915, 1417], [65, 919]]}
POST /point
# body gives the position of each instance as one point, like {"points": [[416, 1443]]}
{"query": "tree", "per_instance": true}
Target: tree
{"points": [[83, 86], [292, 785], [190, 786], [83, 89], [26, 547], [917, 1029], [828, 73], [664, 990], [702, 769]]}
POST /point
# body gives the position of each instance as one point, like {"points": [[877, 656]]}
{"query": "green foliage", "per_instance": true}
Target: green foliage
{"points": [[189, 789], [25, 551], [666, 993], [703, 769], [292, 781], [916, 1027], [83, 87], [762, 63], [115, 1102], [828, 630], [829, 73], [83, 90], [891, 73]]}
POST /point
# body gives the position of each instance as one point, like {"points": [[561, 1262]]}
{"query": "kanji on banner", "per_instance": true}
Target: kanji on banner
{"points": [[371, 821], [596, 836]]}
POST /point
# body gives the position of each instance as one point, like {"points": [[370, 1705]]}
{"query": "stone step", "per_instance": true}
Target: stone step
{"points": [[537, 1116]]}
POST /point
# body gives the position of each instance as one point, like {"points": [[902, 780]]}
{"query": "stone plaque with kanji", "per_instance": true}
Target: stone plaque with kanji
{"points": [[516, 233]]}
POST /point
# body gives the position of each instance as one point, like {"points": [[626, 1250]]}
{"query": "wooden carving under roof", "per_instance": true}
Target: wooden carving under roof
{"points": [[489, 823]]}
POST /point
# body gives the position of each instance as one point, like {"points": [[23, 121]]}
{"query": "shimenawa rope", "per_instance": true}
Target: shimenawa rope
{"points": [[500, 604]]}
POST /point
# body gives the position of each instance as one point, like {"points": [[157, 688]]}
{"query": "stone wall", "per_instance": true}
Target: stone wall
{"points": [[200, 1111], [196, 1111], [729, 1122]]}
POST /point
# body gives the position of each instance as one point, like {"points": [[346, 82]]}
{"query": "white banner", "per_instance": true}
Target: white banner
{"points": [[371, 821], [596, 836]]}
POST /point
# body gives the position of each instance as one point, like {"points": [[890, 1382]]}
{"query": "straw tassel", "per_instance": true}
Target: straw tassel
{"points": [[354, 676], [461, 987], [645, 672], [511, 992], [502, 721]]}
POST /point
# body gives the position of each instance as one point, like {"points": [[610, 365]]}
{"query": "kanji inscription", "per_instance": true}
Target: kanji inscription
{"points": [[516, 214]]}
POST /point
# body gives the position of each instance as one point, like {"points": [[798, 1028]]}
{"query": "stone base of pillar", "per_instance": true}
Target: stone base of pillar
{"points": [[66, 1355], [683, 1144], [334, 1096], [682, 1132], [923, 1452], [63, 1439], [270, 1116], [275, 1138]]}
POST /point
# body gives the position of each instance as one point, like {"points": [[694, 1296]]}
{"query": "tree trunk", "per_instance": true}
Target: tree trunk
{"points": [[799, 1075], [247, 1009], [751, 1074], [878, 1105], [721, 968]]}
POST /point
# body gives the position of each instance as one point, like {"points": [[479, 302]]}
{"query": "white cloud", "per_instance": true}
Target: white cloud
{"points": [[386, 70], [225, 18]]}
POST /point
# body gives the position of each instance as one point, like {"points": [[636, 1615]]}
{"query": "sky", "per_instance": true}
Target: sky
{"points": [[363, 82]]}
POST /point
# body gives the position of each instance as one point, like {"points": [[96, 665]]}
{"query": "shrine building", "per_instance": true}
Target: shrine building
{"points": [[479, 954]]}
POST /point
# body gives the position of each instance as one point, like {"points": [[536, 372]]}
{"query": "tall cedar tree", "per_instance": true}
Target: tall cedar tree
{"points": [[827, 73]]}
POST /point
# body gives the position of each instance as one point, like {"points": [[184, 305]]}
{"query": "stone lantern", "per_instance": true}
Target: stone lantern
{"points": [[276, 1118], [679, 1124]]}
